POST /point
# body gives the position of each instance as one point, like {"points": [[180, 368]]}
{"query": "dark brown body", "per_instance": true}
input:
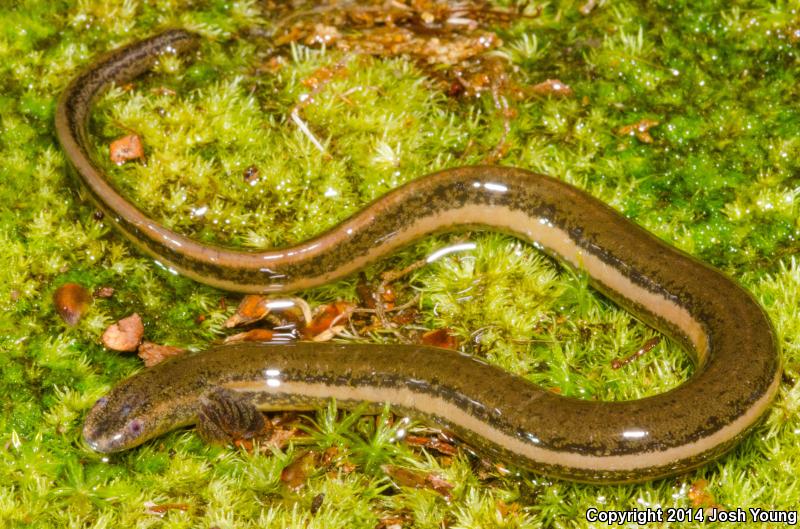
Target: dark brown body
{"points": [[730, 336]]}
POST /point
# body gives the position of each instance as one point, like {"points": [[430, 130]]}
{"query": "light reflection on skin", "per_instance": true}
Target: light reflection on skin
{"points": [[450, 249], [491, 186], [272, 377], [165, 267], [280, 304], [634, 434]]}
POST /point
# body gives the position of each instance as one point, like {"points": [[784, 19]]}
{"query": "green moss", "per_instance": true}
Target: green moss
{"points": [[719, 181]]}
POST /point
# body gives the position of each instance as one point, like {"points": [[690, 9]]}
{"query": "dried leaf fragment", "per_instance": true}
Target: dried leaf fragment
{"points": [[323, 34], [280, 436], [163, 91], [252, 308], [253, 335], [639, 129], [126, 148], [440, 338], [72, 301], [440, 485], [162, 509], [552, 87], [411, 478], [506, 509], [296, 474], [434, 443], [328, 320], [153, 353], [391, 522], [103, 292], [701, 497], [124, 335]]}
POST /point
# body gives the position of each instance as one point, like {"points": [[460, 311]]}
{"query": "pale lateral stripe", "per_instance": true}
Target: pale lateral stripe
{"points": [[449, 412]]}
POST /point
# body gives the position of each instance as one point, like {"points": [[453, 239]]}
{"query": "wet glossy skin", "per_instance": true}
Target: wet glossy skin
{"points": [[729, 335]]}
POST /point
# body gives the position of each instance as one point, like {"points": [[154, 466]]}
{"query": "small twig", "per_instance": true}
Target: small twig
{"points": [[398, 308], [648, 346]]}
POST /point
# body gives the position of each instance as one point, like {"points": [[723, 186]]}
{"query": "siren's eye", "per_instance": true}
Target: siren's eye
{"points": [[135, 426]]}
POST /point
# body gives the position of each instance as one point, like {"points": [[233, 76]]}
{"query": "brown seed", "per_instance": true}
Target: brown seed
{"points": [[316, 503], [153, 353], [72, 301], [126, 148], [124, 335]]}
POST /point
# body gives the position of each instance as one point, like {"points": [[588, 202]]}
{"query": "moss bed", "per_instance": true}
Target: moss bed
{"points": [[719, 180]]}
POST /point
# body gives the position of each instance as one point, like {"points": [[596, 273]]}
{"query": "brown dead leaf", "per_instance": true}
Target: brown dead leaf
{"points": [[552, 87], [323, 34], [124, 335], [163, 91], [280, 437], [126, 148], [639, 129], [418, 480], [323, 75], [440, 338], [699, 494], [253, 335], [162, 509], [392, 522], [324, 317], [508, 508], [273, 65], [329, 455], [252, 308], [440, 485], [434, 443], [368, 296], [153, 353], [103, 292], [296, 474], [72, 301], [405, 477]]}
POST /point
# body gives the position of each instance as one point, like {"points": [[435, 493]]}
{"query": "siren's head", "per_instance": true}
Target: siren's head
{"points": [[133, 412]]}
